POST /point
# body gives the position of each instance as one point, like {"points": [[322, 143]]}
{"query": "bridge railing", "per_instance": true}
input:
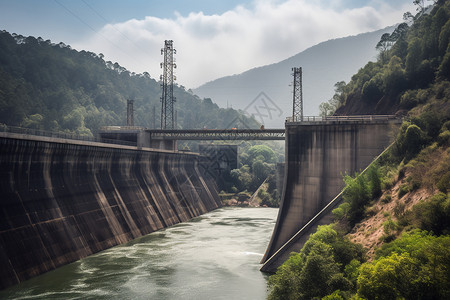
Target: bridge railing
{"points": [[60, 135], [340, 118], [218, 134], [121, 128]]}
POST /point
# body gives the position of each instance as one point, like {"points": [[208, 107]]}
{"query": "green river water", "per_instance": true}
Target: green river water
{"points": [[214, 256]]}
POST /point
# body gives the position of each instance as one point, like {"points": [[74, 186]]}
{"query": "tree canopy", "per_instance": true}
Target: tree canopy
{"points": [[416, 55]]}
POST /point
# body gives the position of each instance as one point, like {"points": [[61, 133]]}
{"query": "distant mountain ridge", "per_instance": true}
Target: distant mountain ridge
{"points": [[323, 65]]}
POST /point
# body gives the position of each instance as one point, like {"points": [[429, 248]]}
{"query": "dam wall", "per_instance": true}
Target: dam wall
{"points": [[318, 155], [62, 200]]}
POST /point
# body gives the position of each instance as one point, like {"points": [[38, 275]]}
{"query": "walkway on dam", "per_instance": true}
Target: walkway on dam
{"points": [[192, 134]]}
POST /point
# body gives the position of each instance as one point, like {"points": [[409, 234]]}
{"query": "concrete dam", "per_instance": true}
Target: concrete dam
{"points": [[318, 154], [62, 200]]}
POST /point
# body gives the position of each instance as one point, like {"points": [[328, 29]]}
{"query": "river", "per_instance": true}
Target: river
{"points": [[214, 256]]}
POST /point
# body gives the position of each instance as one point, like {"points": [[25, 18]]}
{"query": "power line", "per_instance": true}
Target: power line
{"points": [[117, 30], [95, 31]]}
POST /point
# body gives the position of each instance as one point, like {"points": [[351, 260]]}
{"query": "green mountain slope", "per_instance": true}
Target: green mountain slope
{"points": [[390, 238], [53, 87]]}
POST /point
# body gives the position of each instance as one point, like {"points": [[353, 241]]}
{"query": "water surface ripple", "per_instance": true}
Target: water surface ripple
{"points": [[214, 256]]}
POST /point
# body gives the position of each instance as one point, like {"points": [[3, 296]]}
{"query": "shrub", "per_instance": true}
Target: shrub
{"points": [[305, 276], [403, 190], [399, 209], [390, 228], [433, 214], [371, 211], [357, 194], [341, 211], [410, 140], [374, 178], [389, 278], [444, 183], [444, 137], [352, 270], [318, 269], [336, 295], [387, 198], [418, 269], [409, 99]]}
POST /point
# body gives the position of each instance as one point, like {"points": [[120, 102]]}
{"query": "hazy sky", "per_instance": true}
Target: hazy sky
{"points": [[212, 38]]}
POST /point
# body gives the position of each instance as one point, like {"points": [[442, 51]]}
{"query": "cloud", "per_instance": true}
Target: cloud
{"points": [[212, 46]]}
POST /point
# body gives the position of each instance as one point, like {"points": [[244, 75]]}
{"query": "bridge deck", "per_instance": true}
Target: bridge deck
{"points": [[218, 134]]}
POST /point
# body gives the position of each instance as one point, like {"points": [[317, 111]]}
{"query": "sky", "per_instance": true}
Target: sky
{"points": [[213, 38]]}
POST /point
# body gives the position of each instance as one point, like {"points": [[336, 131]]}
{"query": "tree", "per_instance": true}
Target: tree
{"points": [[260, 170], [266, 152], [420, 5], [372, 90], [384, 45], [434, 214], [408, 17], [414, 58], [356, 194], [444, 38], [330, 107], [389, 278], [415, 266], [34, 121], [394, 76], [317, 270], [414, 140], [326, 109]]}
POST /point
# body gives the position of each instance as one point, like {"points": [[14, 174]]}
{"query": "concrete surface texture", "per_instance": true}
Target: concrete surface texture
{"points": [[61, 201], [317, 157]]}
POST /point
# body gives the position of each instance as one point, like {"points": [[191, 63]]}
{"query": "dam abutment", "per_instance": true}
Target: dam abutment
{"points": [[318, 155]]}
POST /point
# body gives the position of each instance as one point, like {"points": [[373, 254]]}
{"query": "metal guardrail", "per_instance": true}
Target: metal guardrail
{"points": [[60, 135], [341, 118], [112, 128], [218, 134]]}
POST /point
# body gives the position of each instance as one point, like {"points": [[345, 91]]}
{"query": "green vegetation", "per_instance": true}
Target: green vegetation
{"points": [[411, 78], [413, 66], [414, 266], [328, 108], [328, 262], [258, 163], [53, 87], [358, 194]]}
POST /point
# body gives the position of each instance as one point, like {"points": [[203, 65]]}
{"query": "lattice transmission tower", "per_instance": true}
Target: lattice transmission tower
{"points": [[297, 111], [130, 113], [168, 120]]}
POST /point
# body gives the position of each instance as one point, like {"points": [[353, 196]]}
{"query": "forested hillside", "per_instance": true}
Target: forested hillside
{"points": [[53, 87], [413, 65], [390, 238], [322, 65]]}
